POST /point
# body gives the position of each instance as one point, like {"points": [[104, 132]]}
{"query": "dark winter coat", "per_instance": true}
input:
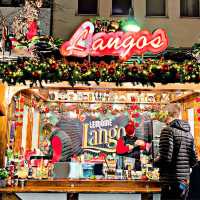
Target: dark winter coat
{"points": [[177, 154]]}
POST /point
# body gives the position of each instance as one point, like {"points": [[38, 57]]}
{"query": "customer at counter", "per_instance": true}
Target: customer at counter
{"points": [[177, 155], [130, 146]]}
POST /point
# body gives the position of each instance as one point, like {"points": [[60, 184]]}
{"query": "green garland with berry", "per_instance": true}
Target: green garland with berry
{"points": [[148, 72], [176, 67]]}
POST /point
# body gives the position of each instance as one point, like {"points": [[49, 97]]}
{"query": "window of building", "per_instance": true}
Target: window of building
{"points": [[155, 8], [120, 7], [11, 3], [87, 7], [46, 3], [189, 8]]}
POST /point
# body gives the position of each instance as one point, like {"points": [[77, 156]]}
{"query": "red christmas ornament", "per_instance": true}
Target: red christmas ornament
{"points": [[54, 66], [165, 68], [150, 76], [111, 70], [98, 74], [134, 69], [198, 110], [189, 68], [46, 110], [35, 74], [177, 76]]}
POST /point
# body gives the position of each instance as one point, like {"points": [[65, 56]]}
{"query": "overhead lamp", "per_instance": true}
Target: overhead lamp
{"points": [[131, 25]]}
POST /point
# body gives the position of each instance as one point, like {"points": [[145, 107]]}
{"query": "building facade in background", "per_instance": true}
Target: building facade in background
{"points": [[180, 18]]}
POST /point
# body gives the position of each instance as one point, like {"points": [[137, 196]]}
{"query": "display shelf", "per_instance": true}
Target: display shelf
{"points": [[104, 102]]}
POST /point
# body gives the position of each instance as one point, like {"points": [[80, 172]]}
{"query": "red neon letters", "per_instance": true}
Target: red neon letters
{"points": [[121, 44]]}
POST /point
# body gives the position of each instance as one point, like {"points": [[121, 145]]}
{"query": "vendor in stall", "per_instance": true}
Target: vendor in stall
{"points": [[130, 146]]}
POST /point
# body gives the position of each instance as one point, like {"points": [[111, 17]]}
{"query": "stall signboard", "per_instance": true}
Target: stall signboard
{"points": [[102, 134], [121, 44]]}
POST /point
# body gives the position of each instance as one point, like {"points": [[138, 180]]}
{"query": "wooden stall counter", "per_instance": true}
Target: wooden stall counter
{"points": [[75, 186]]}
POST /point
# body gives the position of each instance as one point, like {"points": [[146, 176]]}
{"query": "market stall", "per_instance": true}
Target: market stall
{"points": [[88, 112], [67, 104]]}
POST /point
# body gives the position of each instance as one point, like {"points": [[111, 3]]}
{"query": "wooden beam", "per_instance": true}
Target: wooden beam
{"points": [[126, 86], [3, 124], [29, 130]]}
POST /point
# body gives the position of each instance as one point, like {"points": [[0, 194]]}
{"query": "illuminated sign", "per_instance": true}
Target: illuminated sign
{"points": [[123, 44]]}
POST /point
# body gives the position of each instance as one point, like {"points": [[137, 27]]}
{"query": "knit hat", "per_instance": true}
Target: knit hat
{"points": [[130, 128]]}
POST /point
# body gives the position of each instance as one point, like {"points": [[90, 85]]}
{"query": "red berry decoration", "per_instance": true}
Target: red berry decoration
{"points": [[150, 76], [189, 68], [54, 66], [165, 68], [98, 74], [134, 69], [83, 69], [111, 70]]}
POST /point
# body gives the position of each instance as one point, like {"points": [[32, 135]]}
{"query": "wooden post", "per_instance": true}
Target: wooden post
{"points": [[29, 130], [3, 124], [9, 196]]}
